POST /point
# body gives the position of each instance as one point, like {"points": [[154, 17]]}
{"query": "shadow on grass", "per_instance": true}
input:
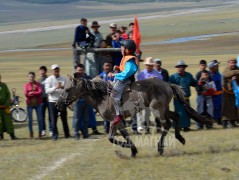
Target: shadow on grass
{"points": [[211, 150]]}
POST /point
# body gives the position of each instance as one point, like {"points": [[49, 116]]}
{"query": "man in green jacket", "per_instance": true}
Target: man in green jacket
{"points": [[6, 124]]}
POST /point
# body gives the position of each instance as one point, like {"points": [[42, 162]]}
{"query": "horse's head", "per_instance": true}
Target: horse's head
{"points": [[72, 91]]}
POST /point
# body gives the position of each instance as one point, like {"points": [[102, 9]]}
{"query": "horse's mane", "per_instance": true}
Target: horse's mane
{"points": [[96, 87]]}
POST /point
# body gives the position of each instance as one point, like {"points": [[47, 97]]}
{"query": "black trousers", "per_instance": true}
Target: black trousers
{"points": [[54, 116]]}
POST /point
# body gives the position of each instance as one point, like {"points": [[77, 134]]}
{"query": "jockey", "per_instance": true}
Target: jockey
{"points": [[128, 67]]}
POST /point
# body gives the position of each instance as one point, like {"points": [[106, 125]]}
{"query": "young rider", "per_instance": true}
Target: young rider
{"points": [[128, 67]]}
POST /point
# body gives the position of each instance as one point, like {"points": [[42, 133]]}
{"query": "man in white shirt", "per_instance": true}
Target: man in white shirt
{"points": [[54, 86]]}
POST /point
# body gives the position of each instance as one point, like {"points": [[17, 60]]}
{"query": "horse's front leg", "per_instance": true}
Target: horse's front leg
{"points": [[124, 133], [165, 122], [129, 142]]}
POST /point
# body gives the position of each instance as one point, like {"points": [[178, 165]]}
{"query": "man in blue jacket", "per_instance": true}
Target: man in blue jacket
{"points": [[79, 40]]}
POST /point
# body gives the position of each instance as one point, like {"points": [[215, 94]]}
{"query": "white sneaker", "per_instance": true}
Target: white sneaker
{"points": [[140, 129], [50, 133], [43, 133]]}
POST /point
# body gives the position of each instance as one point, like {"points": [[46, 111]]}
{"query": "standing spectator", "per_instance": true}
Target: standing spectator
{"points": [[79, 40], [116, 43], [229, 110], [81, 109], [108, 38], [130, 34], [104, 75], [98, 36], [185, 80], [202, 67], [33, 93], [217, 97], [148, 72], [80, 34], [44, 104], [162, 71], [84, 116], [104, 56], [6, 124], [54, 88], [199, 89], [131, 28], [206, 87], [123, 33], [92, 60]]}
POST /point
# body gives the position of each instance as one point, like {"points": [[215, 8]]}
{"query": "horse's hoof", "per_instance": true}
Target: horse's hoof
{"points": [[161, 150], [183, 141], [134, 151], [133, 155]]}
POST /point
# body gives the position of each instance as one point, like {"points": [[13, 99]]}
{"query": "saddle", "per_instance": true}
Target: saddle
{"points": [[111, 84]]}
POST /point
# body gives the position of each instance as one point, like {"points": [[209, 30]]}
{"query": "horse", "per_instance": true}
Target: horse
{"points": [[151, 93]]}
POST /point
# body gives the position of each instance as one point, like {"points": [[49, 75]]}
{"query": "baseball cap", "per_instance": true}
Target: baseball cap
{"points": [[54, 66]]}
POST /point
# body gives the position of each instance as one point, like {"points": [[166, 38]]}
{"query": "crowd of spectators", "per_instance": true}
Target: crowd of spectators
{"points": [[216, 92]]}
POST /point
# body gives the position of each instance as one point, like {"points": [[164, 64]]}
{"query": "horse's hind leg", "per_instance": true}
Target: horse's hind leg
{"points": [[175, 117], [124, 133], [166, 123]]}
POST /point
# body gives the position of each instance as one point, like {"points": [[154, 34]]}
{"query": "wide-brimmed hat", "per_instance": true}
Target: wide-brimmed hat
{"points": [[95, 24], [181, 63], [113, 25], [149, 61], [213, 63]]}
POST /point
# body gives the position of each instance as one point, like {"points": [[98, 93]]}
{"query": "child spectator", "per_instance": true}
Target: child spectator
{"points": [[207, 88], [124, 35], [104, 56]]}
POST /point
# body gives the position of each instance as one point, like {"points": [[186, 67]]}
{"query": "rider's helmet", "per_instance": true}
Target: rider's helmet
{"points": [[129, 44]]}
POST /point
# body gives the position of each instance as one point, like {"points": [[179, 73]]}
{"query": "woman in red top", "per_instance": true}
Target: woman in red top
{"points": [[33, 93]]}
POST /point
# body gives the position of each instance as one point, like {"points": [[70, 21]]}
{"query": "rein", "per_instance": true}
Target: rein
{"points": [[74, 96]]}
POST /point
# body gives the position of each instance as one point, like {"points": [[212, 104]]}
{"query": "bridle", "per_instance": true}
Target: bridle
{"points": [[74, 95]]}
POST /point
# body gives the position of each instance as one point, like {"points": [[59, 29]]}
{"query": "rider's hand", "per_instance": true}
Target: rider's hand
{"points": [[116, 68], [110, 74]]}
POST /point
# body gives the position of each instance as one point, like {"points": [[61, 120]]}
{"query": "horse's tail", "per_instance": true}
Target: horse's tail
{"points": [[179, 95]]}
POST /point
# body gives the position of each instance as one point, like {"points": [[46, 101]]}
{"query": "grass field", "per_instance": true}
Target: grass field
{"points": [[208, 154]]}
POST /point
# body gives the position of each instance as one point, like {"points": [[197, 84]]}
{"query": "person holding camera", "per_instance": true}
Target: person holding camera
{"points": [[54, 88], [207, 88]]}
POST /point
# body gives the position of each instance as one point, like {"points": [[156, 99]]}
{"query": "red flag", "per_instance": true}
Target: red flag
{"points": [[136, 35]]}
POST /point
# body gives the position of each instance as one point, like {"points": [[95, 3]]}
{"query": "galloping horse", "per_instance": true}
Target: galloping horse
{"points": [[151, 93]]}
